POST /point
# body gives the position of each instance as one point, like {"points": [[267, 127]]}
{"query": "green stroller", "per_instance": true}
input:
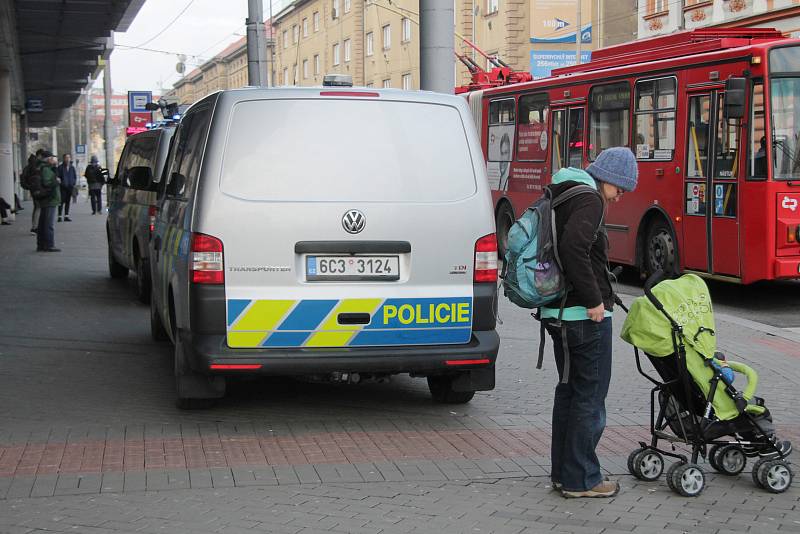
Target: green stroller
{"points": [[698, 405]]}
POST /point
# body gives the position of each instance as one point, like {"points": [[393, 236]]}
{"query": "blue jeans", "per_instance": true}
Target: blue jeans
{"points": [[46, 231], [579, 408]]}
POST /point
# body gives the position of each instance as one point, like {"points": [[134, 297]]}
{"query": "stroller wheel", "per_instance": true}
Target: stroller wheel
{"points": [[774, 476], [686, 479], [646, 464], [728, 459]]}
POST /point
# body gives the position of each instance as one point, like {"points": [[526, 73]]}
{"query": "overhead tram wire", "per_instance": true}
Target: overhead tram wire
{"points": [[165, 28]]}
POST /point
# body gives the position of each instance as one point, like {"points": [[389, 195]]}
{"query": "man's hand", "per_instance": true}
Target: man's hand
{"points": [[597, 313]]}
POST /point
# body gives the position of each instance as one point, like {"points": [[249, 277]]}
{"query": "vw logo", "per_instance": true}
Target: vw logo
{"points": [[354, 221]]}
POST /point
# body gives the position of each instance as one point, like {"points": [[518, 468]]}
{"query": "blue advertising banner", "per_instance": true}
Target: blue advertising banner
{"points": [[544, 61]]}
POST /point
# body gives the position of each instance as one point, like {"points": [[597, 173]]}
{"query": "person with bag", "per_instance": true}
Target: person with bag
{"points": [[583, 357], [95, 180], [69, 179], [48, 194], [30, 178]]}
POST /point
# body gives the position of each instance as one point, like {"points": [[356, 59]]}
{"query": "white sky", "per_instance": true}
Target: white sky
{"points": [[203, 31]]}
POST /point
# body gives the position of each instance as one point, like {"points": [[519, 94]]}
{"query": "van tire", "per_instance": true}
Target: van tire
{"points": [[157, 330], [661, 249], [441, 388], [503, 223], [115, 269], [194, 390], [143, 284]]}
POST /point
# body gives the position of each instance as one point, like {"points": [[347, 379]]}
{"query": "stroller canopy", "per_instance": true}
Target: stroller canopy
{"points": [[688, 302]]}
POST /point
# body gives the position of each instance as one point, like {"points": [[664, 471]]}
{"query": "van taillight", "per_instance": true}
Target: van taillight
{"points": [[151, 213], [486, 259], [207, 266]]}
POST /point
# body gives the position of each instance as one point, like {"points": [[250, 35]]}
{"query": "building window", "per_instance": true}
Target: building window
{"points": [[387, 37], [370, 43], [335, 9], [655, 119], [316, 21], [407, 82], [335, 54], [387, 84], [406, 30], [347, 6], [285, 75], [295, 33], [305, 27], [370, 85], [316, 64], [286, 38], [659, 6], [305, 69], [347, 49], [609, 117], [492, 6], [294, 79]]}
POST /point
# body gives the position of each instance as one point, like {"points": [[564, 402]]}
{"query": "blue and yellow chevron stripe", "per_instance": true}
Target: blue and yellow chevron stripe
{"points": [[314, 323]]}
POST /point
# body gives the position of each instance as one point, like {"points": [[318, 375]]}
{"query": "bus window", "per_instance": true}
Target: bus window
{"points": [[727, 149], [697, 155], [532, 128], [784, 93], [655, 119], [575, 148], [557, 137], [609, 117], [501, 139], [758, 135]]}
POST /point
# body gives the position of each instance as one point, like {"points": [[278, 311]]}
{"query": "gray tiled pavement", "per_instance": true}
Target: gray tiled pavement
{"points": [[77, 365]]}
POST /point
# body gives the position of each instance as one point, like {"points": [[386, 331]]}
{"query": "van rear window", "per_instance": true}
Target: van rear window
{"points": [[347, 150]]}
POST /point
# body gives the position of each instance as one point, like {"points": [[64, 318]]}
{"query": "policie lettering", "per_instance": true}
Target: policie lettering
{"points": [[442, 313]]}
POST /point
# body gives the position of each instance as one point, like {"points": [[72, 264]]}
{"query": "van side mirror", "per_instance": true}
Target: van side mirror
{"points": [[140, 177], [735, 88], [175, 185]]}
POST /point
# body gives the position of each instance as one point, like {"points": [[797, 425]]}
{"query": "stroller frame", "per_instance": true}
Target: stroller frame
{"points": [[658, 424]]}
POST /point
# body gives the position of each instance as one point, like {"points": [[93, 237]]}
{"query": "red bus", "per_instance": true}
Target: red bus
{"points": [[713, 117]]}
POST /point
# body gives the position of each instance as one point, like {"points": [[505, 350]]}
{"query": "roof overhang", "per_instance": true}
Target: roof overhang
{"points": [[60, 48]]}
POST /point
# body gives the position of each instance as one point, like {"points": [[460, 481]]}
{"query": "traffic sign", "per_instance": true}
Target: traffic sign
{"points": [[137, 100], [80, 149], [139, 120]]}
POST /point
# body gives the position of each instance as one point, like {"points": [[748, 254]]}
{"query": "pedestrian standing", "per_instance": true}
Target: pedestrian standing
{"points": [[95, 180], [69, 179], [45, 239], [29, 175], [579, 413]]}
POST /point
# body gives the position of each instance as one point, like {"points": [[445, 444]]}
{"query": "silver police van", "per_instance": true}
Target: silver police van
{"points": [[343, 232]]}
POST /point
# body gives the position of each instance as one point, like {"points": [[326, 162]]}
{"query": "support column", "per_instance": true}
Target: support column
{"points": [[108, 126], [6, 156], [87, 114], [72, 133], [436, 51]]}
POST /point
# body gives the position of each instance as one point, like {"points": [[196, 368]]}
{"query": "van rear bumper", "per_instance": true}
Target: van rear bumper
{"points": [[203, 351]]}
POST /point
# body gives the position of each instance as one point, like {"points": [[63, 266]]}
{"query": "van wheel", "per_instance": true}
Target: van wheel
{"points": [[143, 279], [660, 252], [115, 269], [441, 388], [193, 390], [157, 330], [505, 219]]}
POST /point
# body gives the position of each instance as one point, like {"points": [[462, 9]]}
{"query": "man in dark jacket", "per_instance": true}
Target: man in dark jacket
{"points": [[69, 179], [45, 238], [584, 368], [95, 180]]}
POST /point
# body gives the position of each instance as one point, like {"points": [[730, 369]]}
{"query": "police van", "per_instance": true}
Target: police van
{"points": [[132, 204], [336, 232]]}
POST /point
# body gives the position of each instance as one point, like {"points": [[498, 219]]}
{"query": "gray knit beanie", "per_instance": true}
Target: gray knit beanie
{"points": [[616, 166]]}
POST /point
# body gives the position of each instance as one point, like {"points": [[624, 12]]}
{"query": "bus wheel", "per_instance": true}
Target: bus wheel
{"points": [[660, 251], [505, 219]]}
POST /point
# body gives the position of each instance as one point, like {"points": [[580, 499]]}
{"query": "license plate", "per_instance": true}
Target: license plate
{"points": [[352, 268]]}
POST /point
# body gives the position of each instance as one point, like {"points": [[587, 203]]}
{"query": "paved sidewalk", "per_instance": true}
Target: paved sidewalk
{"points": [[90, 440]]}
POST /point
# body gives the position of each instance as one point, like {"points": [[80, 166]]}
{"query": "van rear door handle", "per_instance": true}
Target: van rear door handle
{"points": [[353, 318]]}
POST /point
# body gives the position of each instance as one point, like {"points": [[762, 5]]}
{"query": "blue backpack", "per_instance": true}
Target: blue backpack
{"points": [[532, 274]]}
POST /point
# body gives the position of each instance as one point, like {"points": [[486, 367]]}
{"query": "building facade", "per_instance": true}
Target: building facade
{"points": [[658, 17], [377, 41]]}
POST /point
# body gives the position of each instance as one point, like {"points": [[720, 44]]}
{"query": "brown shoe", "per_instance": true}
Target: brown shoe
{"points": [[606, 488]]}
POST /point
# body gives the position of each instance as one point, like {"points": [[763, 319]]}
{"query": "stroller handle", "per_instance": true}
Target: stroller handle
{"points": [[652, 280]]}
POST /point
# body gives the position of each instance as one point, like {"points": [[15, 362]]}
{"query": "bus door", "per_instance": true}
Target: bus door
{"points": [[711, 223], [566, 148]]}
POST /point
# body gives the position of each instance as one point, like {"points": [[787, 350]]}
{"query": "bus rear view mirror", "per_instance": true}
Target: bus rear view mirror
{"points": [[734, 97]]}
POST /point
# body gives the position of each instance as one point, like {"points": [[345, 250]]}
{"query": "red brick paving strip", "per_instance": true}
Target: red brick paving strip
{"points": [[207, 451]]}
